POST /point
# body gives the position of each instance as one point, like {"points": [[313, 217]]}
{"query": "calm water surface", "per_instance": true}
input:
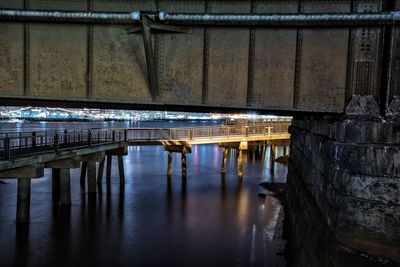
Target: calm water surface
{"points": [[203, 220]]}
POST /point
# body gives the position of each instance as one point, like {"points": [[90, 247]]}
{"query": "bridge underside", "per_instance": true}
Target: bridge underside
{"points": [[205, 68]]}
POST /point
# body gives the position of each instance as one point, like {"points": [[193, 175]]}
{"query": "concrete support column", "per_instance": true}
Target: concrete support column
{"points": [[83, 172], [183, 165], [23, 199], [224, 159], [272, 156], [108, 171], [65, 187], [239, 163], [121, 169], [24, 176], [177, 147], [91, 175], [100, 172], [55, 185], [169, 170], [284, 150]]}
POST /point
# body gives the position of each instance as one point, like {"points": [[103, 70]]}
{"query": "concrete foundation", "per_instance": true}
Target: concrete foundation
{"points": [[351, 169]]}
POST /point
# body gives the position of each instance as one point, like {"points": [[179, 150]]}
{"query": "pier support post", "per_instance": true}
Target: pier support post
{"points": [[169, 170], [108, 171], [91, 160], [239, 163], [177, 147], [91, 176], [119, 152], [121, 169], [65, 186], [83, 173], [272, 156], [183, 165], [23, 199], [61, 184], [224, 159], [24, 176], [100, 172], [55, 185]]}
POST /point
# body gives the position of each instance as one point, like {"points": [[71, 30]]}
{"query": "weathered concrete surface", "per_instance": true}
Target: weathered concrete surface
{"points": [[351, 168], [207, 68], [311, 241]]}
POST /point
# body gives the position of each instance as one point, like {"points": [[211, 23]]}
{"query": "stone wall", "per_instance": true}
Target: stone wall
{"points": [[351, 168]]}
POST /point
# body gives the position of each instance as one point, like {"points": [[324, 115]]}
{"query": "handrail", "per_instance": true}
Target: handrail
{"points": [[14, 144]]}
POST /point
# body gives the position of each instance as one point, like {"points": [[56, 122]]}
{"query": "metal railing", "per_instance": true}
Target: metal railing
{"points": [[27, 143]]}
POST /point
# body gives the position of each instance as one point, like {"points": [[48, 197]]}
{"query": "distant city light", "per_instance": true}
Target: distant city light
{"points": [[47, 113]]}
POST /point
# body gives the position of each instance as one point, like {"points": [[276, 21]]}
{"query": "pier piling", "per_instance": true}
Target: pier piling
{"points": [[91, 174], [55, 185], [121, 169], [23, 199], [224, 159], [100, 172], [65, 186], [183, 165], [169, 170], [108, 171]]}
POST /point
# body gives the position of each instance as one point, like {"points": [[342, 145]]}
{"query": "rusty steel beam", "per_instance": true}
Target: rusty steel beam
{"points": [[198, 19], [149, 51]]}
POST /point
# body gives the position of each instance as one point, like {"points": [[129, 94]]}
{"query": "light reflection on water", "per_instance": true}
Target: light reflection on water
{"points": [[205, 220]]}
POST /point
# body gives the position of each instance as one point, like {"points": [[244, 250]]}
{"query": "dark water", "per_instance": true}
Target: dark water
{"points": [[204, 220]]}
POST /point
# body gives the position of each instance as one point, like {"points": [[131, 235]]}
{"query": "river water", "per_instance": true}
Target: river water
{"points": [[151, 220]]}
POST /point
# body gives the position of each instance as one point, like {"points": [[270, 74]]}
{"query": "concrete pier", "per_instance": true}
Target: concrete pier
{"points": [[55, 185], [183, 165], [91, 160], [24, 176], [109, 168], [65, 187], [169, 168], [121, 169], [100, 172], [224, 159], [240, 162], [272, 156], [91, 176], [23, 199], [61, 184], [83, 173], [177, 147], [119, 152]]}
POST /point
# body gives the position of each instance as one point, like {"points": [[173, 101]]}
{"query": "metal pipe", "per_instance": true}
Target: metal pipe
{"points": [[198, 19], [69, 16], [285, 20]]}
